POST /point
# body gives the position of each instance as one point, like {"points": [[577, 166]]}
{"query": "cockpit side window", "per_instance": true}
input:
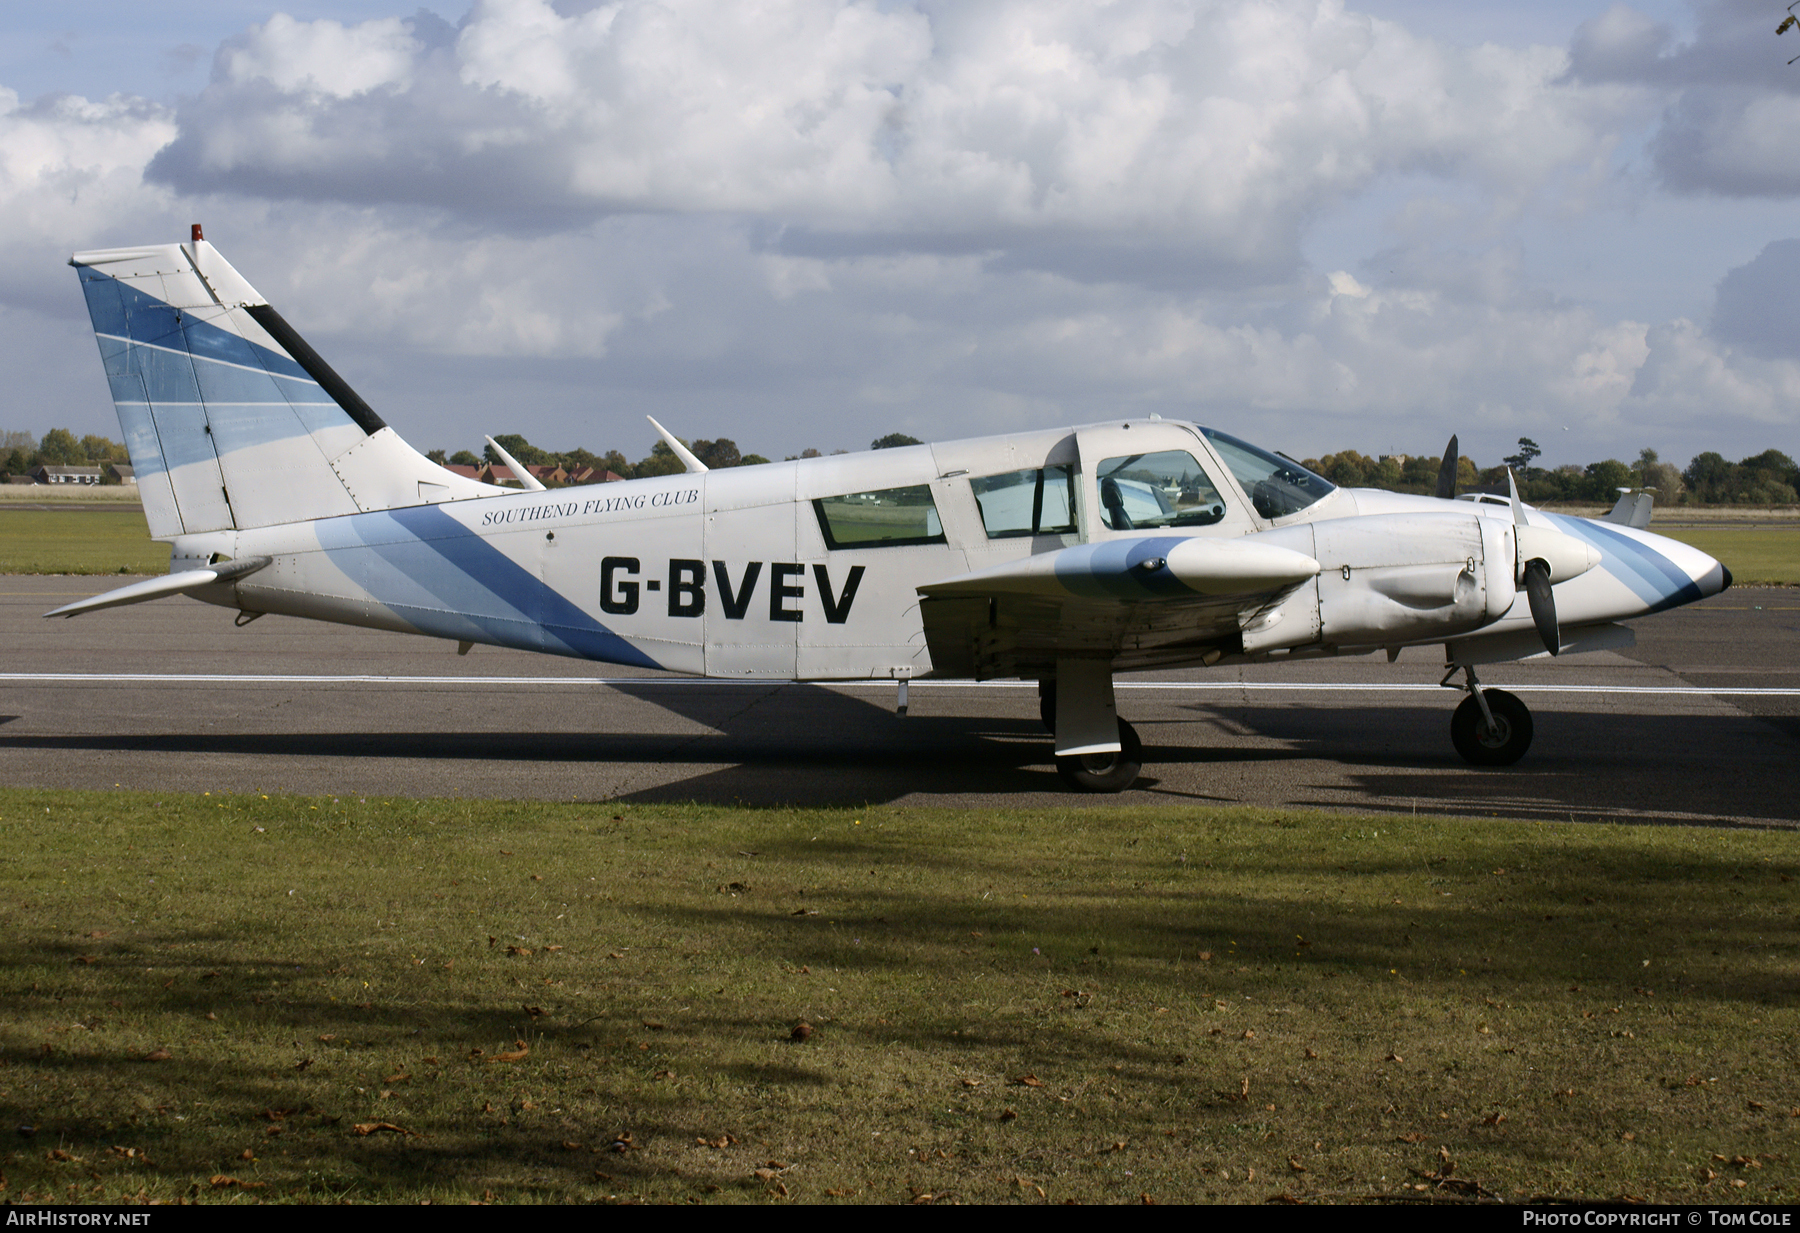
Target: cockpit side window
{"points": [[1164, 489], [1022, 503], [888, 518], [1277, 486]]}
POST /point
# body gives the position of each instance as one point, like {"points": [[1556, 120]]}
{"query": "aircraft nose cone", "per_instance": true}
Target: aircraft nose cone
{"points": [[1714, 580]]}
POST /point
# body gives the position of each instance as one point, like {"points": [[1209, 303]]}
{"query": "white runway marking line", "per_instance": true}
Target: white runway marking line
{"points": [[199, 678]]}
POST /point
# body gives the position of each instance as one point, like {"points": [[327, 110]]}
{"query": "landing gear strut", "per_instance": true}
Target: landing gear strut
{"points": [[1491, 727], [1077, 706]]}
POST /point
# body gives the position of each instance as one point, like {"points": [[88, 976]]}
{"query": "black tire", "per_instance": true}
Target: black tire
{"points": [[1501, 747], [1112, 772], [1047, 705]]}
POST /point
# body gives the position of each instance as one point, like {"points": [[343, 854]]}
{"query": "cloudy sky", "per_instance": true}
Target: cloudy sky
{"points": [[813, 222]]}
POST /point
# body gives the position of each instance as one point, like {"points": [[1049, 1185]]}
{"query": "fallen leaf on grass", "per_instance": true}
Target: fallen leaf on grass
{"points": [[158, 1055], [370, 1128], [1028, 1081]]}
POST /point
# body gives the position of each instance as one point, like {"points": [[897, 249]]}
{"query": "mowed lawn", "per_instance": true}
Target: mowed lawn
{"points": [[243, 999], [1759, 555], [84, 541]]}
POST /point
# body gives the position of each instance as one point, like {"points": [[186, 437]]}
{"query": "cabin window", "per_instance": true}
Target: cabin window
{"points": [[1022, 503], [1164, 489], [888, 518]]}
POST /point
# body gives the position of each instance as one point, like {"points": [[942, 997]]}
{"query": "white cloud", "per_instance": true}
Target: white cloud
{"points": [[811, 221], [1221, 126], [320, 57]]}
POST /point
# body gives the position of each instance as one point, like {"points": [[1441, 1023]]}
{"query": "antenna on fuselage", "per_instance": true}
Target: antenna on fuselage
{"points": [[526, 478], [681, 451]]}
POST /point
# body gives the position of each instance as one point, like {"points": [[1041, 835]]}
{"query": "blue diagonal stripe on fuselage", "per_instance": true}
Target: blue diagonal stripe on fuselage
{"points": [[436, 554], [1655, 579]]}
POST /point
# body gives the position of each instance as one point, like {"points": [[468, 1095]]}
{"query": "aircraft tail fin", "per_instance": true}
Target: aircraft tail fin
{"points": [[232, 420], [1632, 510]]}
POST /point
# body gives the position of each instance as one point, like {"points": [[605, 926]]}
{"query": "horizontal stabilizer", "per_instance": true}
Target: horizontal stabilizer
{"points": [[169, 584]]}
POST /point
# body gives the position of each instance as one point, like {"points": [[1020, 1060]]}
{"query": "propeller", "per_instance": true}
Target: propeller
{"points": [[1543, 604], [1446, 485], [1546, 556]]}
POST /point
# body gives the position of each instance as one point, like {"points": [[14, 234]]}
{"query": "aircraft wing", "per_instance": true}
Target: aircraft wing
{"points": [[1141, 600]]}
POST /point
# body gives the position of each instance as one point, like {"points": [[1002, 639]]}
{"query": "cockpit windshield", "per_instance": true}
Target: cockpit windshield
{"points": [[1277, 486]]}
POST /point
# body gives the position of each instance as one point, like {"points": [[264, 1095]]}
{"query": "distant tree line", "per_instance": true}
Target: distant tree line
{"points": [[1768, 478], [661, 460], [20, 452]]}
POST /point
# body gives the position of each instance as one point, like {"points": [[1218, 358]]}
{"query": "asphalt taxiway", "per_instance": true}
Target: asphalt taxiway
{"points": [[1698, 724]]}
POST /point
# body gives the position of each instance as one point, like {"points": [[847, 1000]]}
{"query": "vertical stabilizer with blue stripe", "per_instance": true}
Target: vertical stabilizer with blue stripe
{"points": [[231, 419]]}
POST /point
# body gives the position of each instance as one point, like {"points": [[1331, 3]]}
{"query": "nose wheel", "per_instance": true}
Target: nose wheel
{"points": [[1490, 727]]}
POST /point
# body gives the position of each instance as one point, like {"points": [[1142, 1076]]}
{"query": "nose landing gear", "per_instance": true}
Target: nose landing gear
{"points": [[1491, 727]]}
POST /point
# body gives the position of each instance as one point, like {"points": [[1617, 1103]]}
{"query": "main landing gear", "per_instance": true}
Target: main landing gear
{"points": [[1105, 772], [1491, 727], [1089, 716]]}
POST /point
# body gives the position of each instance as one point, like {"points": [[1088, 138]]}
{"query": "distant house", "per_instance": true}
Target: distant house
{"points": [[46, 474], [454, 468], [124, 472]]}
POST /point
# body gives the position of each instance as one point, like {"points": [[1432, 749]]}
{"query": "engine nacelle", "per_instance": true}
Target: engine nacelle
{"points": [[1387, 579]]}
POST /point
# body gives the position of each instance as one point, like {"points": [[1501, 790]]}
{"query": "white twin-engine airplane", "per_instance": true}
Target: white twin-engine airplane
{"points": [[1063, 556]]}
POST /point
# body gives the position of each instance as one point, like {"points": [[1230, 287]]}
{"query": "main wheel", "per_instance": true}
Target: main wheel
{"points": [[1107, 772], [1505, 744]]}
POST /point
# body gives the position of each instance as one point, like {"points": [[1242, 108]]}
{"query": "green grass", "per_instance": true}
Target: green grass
{"points": [[85, 541], [1756, 555], [209, 996]]}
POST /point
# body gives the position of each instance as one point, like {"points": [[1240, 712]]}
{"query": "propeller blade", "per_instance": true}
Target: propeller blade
{"points": [[1543, 604], [1446, 486]]}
